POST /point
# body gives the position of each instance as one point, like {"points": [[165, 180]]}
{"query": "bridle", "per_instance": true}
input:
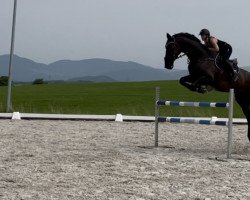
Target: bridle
{"points": [[176, 48], [175, 57]]}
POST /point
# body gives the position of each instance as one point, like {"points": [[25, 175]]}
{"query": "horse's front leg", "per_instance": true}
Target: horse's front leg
{"points": [[201, 85], [187, 81]]}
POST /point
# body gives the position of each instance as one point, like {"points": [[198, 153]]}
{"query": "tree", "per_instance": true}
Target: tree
{"points": [[4, 80], [38, 81]]}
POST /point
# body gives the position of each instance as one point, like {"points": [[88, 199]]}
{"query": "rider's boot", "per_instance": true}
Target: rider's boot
{"points": [[234, 75], [235, 61]]}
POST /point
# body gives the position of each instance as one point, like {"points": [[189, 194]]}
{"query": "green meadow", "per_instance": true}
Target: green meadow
{"points": [[128, 98]]}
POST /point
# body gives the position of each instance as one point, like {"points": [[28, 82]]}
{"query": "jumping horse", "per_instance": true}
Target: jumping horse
{"points": [[205, 72]]}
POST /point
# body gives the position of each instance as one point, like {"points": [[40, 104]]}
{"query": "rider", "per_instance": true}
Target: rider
{"points": [[224, 49]]}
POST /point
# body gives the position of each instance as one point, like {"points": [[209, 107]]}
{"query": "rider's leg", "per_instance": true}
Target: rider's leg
{"points": [[225, 54], [230, 67]]}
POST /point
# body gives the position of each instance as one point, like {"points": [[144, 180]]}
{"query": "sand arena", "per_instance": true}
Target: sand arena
{"points": [[49, 159]]}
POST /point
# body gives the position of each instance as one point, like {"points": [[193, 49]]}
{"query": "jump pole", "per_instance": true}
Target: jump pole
{"points": [[229, 122]]}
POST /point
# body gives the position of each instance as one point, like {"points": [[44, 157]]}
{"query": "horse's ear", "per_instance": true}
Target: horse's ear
{"points": [[168, 36]]}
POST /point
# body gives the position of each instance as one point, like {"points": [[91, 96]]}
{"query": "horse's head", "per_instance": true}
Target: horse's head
{"points": [[172, 52]]}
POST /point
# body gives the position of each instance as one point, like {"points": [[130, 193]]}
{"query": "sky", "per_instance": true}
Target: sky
{"points": [[122, 30]]}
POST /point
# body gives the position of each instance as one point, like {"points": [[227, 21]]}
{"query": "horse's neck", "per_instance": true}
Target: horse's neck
{"points": [[193, 49]]}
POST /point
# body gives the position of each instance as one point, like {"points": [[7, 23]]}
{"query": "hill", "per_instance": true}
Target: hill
{"points": [[94, 70]]}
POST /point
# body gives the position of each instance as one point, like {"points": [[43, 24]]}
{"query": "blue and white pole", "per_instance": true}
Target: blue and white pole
{"points": [[211, 121]]}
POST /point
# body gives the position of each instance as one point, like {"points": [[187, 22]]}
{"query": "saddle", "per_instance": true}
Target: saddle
{"points": [[220, 64]]}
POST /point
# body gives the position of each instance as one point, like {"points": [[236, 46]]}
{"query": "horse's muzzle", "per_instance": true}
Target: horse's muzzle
{"points": [[169, 64]]}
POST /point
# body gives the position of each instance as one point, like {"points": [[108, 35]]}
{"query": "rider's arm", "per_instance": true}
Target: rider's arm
{"points": [[214, 45]]}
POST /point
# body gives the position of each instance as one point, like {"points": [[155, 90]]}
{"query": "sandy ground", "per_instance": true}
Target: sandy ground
{"points": [[43, 159]]}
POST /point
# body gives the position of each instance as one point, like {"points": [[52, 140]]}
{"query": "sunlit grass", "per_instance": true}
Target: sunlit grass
{"points": [[130, 98]]}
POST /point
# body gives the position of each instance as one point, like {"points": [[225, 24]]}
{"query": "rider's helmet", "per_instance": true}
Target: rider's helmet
{"points": [[205, 32]]}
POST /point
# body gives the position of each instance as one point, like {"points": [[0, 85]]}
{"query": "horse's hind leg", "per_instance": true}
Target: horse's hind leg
{"points": [[243, 99]]}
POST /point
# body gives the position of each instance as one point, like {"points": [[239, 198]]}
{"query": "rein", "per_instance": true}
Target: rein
{"points": [[181, 55], [176, 57], [185, 53]]}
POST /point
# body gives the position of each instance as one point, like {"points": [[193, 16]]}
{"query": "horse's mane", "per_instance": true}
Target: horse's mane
{"points": [[193, 38], [188, 35]]}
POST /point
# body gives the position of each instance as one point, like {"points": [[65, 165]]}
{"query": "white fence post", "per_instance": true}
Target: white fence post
{"points": [[230, 123]]}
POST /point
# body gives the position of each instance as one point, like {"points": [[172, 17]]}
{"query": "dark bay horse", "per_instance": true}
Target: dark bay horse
{"points": [[204, 71]]}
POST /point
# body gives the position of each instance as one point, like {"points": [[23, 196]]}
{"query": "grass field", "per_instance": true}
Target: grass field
{"points": [[130, 98]]}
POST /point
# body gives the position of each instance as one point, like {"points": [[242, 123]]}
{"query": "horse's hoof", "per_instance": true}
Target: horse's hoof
{"points": [[202, 89], [209, 88]]}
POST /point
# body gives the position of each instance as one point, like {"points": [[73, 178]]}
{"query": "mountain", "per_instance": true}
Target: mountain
{"points": [[247, 68], [23, 69], [95, 70], [92, 79]]}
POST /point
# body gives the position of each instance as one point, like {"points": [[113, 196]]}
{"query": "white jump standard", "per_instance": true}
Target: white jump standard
{"points": [[228, 122]]}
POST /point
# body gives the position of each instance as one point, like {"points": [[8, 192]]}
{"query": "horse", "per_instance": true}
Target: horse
{"points": [[204, 71]]}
